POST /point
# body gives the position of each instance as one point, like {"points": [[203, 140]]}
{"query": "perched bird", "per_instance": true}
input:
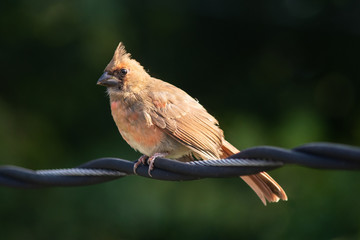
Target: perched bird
{"points": [[161, 120]]}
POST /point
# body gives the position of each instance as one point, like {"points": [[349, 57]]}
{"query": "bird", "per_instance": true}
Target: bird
{"points": [[159, 119]]}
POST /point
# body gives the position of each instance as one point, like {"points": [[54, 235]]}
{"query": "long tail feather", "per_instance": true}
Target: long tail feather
{"points": [[263, 185]]}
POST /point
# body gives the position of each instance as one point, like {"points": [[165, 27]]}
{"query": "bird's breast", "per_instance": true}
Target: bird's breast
{"points": [[133, 127]]}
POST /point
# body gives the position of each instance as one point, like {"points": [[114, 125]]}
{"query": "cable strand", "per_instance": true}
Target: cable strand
{"points": [[247, 162]]}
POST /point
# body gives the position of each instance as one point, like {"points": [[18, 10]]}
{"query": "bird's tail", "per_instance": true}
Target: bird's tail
{"points": [[263, 185]]}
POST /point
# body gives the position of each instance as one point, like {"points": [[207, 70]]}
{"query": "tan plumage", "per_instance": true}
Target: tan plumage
{"points": [[184, 119], [159, 119]]}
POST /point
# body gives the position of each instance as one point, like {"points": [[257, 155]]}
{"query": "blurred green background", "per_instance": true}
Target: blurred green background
{"points": [[279, 73]]}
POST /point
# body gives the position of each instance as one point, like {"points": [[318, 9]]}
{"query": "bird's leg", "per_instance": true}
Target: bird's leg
{"points": [[151, 161], [141, 160]]}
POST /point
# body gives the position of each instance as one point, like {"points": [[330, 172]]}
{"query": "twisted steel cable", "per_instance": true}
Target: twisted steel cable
{"points": [[248, 161]]}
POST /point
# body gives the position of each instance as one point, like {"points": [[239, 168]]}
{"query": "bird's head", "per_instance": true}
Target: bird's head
{"points": [[122, 73]]}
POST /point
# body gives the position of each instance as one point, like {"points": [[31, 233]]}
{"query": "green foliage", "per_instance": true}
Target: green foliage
{"points": [[278, 73]]}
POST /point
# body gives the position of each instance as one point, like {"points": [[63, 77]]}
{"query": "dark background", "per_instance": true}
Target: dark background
{"points": [[279, 73]]}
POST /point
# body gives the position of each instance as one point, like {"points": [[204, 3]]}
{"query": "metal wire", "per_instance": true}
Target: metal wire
{"points": [[79, 172], [248, 161], [237, 163]]}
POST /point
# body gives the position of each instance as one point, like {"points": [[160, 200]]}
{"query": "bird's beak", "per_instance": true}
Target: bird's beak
{"points": [[107, 80]]}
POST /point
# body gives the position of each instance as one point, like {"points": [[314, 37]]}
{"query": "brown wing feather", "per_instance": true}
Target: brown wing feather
{"points": [[184, 119]]}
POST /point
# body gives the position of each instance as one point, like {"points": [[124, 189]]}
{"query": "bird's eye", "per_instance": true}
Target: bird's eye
{"points": [[123, 71]]}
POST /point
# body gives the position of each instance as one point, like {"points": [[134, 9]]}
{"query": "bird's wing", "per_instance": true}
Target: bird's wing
{"points": [[184, 119]]}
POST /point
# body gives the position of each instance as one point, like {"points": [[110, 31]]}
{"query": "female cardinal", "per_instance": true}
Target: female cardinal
{"points": [[161, 120]]}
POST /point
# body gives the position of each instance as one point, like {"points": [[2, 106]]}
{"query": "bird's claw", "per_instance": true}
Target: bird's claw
{"points": [[150, 161], [140, 161]]}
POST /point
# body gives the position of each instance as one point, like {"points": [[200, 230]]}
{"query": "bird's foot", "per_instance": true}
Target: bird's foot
{"points": [[149, 160], [140, 161]]}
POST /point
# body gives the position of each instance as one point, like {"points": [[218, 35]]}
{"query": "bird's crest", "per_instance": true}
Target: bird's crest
{"points": [[119, 56]]}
